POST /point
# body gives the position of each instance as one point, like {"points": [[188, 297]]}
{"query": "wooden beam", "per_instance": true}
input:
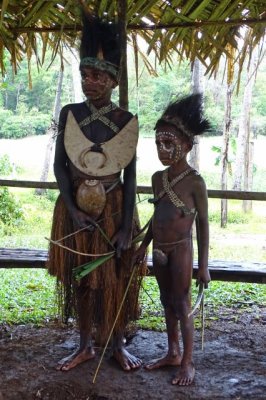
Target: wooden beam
{"points": [[220, 270], [213, 194], [142, 26]]}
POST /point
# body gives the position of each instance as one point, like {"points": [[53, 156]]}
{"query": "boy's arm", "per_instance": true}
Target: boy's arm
{"points": [[202, 229], [141, 252]]}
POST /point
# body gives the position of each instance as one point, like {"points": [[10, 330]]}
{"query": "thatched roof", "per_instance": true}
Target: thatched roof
{"points": [[191, 29]]}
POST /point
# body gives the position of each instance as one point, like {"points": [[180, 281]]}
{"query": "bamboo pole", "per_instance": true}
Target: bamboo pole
{"points": [[123, 79]]}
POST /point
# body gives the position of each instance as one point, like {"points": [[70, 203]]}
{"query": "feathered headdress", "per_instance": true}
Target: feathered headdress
{"points": [[186, 115], [100, 46]]}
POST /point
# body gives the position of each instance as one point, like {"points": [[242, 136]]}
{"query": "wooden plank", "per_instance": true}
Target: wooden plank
{"points": [[220, 270], [215, 194]]}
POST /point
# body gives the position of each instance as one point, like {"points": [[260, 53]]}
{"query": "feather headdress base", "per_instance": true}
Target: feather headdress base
{"points": [[186, 115], [102, 65]]}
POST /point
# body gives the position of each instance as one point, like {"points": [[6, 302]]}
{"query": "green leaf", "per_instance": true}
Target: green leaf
{"points": [[84, 269]]}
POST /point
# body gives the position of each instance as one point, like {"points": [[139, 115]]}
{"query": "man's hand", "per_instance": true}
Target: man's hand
{"points": [[82, 220], [122, 240], [203, 276]]}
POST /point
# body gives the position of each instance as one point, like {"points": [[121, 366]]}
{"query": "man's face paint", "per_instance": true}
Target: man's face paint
{"points": [[169, 146], [96, 84]]}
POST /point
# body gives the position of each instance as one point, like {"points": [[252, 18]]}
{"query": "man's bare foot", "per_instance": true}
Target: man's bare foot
{"points": [[185, 376], [165, 361], [126, 360], [75, 359]]}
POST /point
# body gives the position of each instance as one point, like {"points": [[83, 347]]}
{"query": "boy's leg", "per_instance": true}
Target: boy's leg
{"points": [[173, 356], [180, 262]]}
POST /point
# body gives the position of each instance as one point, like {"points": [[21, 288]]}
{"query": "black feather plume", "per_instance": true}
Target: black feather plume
{"points": [[98, 36], [189, 111]]}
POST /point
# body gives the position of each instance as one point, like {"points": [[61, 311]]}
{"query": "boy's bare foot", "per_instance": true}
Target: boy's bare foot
{"points": [[75, 359], [126, 360], [165, 361], [185, 375]]}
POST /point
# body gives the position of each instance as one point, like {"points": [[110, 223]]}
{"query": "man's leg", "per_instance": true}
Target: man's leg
{"points": [[85, 351], [126, 360]]}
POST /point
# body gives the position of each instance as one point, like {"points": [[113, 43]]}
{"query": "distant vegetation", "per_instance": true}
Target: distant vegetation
{"points": [[25, 111]]}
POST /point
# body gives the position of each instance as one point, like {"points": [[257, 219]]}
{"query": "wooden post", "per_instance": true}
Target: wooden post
{"points": [[226, 136], [123, 82]]}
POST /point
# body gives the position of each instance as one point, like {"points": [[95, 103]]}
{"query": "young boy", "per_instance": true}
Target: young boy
{"points": [[180, 197]]}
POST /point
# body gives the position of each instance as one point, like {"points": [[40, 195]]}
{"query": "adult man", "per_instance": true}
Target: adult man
{"points": [[96, 142]]}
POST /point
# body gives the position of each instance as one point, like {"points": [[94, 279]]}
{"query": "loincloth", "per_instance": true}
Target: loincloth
{"points": [[161, 250], [103, 288]]}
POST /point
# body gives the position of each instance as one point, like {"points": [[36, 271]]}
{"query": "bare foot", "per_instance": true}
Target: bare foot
{"points": [[126, 360], [185, 376], [75, 359], [165, 361]]}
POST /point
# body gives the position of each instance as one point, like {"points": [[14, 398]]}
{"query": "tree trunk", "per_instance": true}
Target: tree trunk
{"points": [[123, 81], [17, 96], [78, 97], [224, 155], [197, 87], [248, 176], [243, 132], [51, 132]]}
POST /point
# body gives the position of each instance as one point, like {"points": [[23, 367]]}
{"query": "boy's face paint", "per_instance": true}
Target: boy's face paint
{"points": [[170, 145]]}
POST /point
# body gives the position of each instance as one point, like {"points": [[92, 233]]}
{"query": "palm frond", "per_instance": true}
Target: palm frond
{"points": [[172, 30]]}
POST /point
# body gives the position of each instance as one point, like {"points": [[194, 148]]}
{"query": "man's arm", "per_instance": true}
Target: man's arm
{"points": [[123, 237], [62, 175]]}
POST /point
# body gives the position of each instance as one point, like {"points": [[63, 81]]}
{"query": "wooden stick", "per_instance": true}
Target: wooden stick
{"points": [[78, 252], [202, 321], [112, 329]]}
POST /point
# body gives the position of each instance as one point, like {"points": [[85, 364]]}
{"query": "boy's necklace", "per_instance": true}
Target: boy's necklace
{"points": [[178, 178], [167, 189]]}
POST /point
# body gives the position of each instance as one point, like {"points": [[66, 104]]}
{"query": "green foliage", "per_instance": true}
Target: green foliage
{"points": [[153, 94], [235, 295], [11, 214], [26, 296], [29, 296], [218, 295], [6, 167], [19, 126], [234, 217], [4, 115], [85, 269], [16, 93]]}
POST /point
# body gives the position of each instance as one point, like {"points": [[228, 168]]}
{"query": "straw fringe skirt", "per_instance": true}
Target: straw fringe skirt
{"points": [[100, 293]]}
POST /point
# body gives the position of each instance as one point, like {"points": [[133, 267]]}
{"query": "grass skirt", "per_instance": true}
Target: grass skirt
{"points": [[95, 298]]}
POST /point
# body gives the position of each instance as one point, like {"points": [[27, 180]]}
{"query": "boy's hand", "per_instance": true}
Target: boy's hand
{"points": [[203, 276], [139, 255]]}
